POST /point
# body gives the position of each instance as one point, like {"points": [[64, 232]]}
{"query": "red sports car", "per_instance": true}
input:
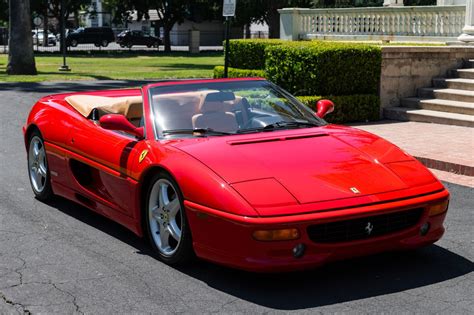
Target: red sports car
{"points": [[235, 171]]}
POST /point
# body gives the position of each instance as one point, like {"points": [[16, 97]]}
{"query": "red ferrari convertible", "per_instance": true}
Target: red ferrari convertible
{"points": [[235, 171]]}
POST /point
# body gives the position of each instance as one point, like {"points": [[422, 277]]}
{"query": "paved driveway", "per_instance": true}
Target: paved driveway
{"points": [[62, 258]]}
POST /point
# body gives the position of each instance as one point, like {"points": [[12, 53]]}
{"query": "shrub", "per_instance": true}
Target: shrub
{"points": [[324, 68], [237, 73], [348, 107], [249, 53]]}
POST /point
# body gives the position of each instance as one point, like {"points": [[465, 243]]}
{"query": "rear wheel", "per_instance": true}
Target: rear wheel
{"points": [[105, 43], [165, 221], [40, 178]]}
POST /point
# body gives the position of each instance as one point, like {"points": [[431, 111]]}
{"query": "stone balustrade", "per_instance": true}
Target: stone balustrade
{"points": [[423, 23]]}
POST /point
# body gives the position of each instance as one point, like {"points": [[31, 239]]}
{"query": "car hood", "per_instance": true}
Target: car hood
{"points": [[304, 165]]}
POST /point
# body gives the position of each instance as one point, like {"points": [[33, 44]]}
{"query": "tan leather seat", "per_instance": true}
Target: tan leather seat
{"points": [[129, 106], [213, 115]]}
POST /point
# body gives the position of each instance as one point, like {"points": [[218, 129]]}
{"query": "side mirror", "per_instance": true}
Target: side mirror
{"points": [[119, 122], [324, 107]]}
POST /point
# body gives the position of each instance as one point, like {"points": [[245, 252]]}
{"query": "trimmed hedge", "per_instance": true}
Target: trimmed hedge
{"points": [[348, 108], [324, 68], [237, 73], [249, 53]]}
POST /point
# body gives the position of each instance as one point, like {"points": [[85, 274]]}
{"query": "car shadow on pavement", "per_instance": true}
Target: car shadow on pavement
{"points": [[337, 282]]}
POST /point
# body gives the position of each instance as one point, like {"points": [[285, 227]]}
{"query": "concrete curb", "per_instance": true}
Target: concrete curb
{"points": [[451, 167]]}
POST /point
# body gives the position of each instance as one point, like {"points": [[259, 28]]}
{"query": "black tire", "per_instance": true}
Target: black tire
{"points": [[74, 43], [149, 45], [46, 193], [183, 252], [122, 45], [129, 45], [104, 43]]}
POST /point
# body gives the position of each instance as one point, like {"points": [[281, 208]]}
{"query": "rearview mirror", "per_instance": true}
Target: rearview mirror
{"points": [[119, 122], [324, 107]]}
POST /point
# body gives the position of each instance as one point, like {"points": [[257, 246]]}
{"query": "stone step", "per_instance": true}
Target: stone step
{"points": [[447, 94], [468, 63], [458, 83], [439, 105], [465, 73], [431, 116]]}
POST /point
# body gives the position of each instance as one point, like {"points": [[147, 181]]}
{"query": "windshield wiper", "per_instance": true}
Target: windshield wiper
{"points": [[284, 124], [200, 131], [280, 125]]}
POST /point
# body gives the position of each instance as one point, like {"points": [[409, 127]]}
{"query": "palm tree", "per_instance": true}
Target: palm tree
{"points": [[21, 59]]}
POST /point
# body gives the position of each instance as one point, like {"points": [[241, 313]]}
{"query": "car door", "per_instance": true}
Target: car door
{"points": [[100, 163]]}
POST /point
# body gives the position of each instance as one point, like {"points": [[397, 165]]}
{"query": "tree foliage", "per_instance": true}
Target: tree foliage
{"points": [[266, 11], [169, 12]]}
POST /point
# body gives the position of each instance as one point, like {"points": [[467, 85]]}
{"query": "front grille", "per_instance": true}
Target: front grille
{"points": [[363, 228]]}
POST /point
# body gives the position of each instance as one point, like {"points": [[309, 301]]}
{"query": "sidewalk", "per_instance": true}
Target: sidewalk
{"points": [[449, 150]]}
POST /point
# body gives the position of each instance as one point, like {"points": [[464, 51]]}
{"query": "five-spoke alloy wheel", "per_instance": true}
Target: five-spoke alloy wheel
{"points": [[38, 167], [166, 222]]}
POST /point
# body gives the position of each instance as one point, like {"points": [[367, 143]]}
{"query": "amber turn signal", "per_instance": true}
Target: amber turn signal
{"points": [[276, 235], [438, 208]]}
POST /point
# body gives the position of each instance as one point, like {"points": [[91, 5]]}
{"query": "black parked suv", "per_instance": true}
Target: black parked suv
{"points": [[99, 36], [130, 38]]}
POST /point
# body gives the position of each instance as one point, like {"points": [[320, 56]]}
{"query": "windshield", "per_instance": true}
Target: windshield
{"points": [[226, 108]]}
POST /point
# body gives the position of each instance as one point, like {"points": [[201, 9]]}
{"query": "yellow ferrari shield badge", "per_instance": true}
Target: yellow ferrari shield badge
{"points": [[142, 156]]}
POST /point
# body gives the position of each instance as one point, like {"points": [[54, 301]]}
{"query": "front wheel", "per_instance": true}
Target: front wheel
{"points": [[165, 221], [40, 178], [74, 43], [105, 43]]}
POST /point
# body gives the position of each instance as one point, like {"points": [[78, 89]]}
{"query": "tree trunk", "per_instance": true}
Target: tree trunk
{"points": [[273, 21], [45, 26], [167, 37], [247, 33], [21, 59]]}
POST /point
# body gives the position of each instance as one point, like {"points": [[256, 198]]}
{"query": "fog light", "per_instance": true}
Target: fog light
{"points": [[424, 229], [298, 250], [276, 235], [438, 208]]}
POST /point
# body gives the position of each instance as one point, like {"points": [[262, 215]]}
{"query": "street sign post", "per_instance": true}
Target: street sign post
{"points": [[37, 22], [228, 10], [64, 67]]}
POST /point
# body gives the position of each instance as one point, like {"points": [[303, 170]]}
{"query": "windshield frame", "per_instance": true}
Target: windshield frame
{"points": [[158, 131]]}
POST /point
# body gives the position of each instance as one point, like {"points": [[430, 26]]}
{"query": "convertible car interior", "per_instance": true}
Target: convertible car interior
{"points": [[204, 109], [94, 107]]}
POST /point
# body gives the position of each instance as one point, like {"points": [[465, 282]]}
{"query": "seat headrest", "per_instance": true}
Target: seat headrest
{"points": [[207, 107], [219, 97]]}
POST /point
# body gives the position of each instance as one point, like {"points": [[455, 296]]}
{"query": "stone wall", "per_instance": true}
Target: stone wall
{"points": [[405, 69]]}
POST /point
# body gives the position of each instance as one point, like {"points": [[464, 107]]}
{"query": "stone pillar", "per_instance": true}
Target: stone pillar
{"points": [[290, 23], [393, 3], [468, 30]]}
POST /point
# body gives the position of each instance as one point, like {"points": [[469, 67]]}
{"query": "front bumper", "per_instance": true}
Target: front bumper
{"points": [[227, 238]]}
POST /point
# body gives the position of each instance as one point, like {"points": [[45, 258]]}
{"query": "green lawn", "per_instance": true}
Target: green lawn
{"points": [[127, 67]]}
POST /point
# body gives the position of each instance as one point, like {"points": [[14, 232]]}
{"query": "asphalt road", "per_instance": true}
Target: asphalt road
{"points": [[62, 258]]}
